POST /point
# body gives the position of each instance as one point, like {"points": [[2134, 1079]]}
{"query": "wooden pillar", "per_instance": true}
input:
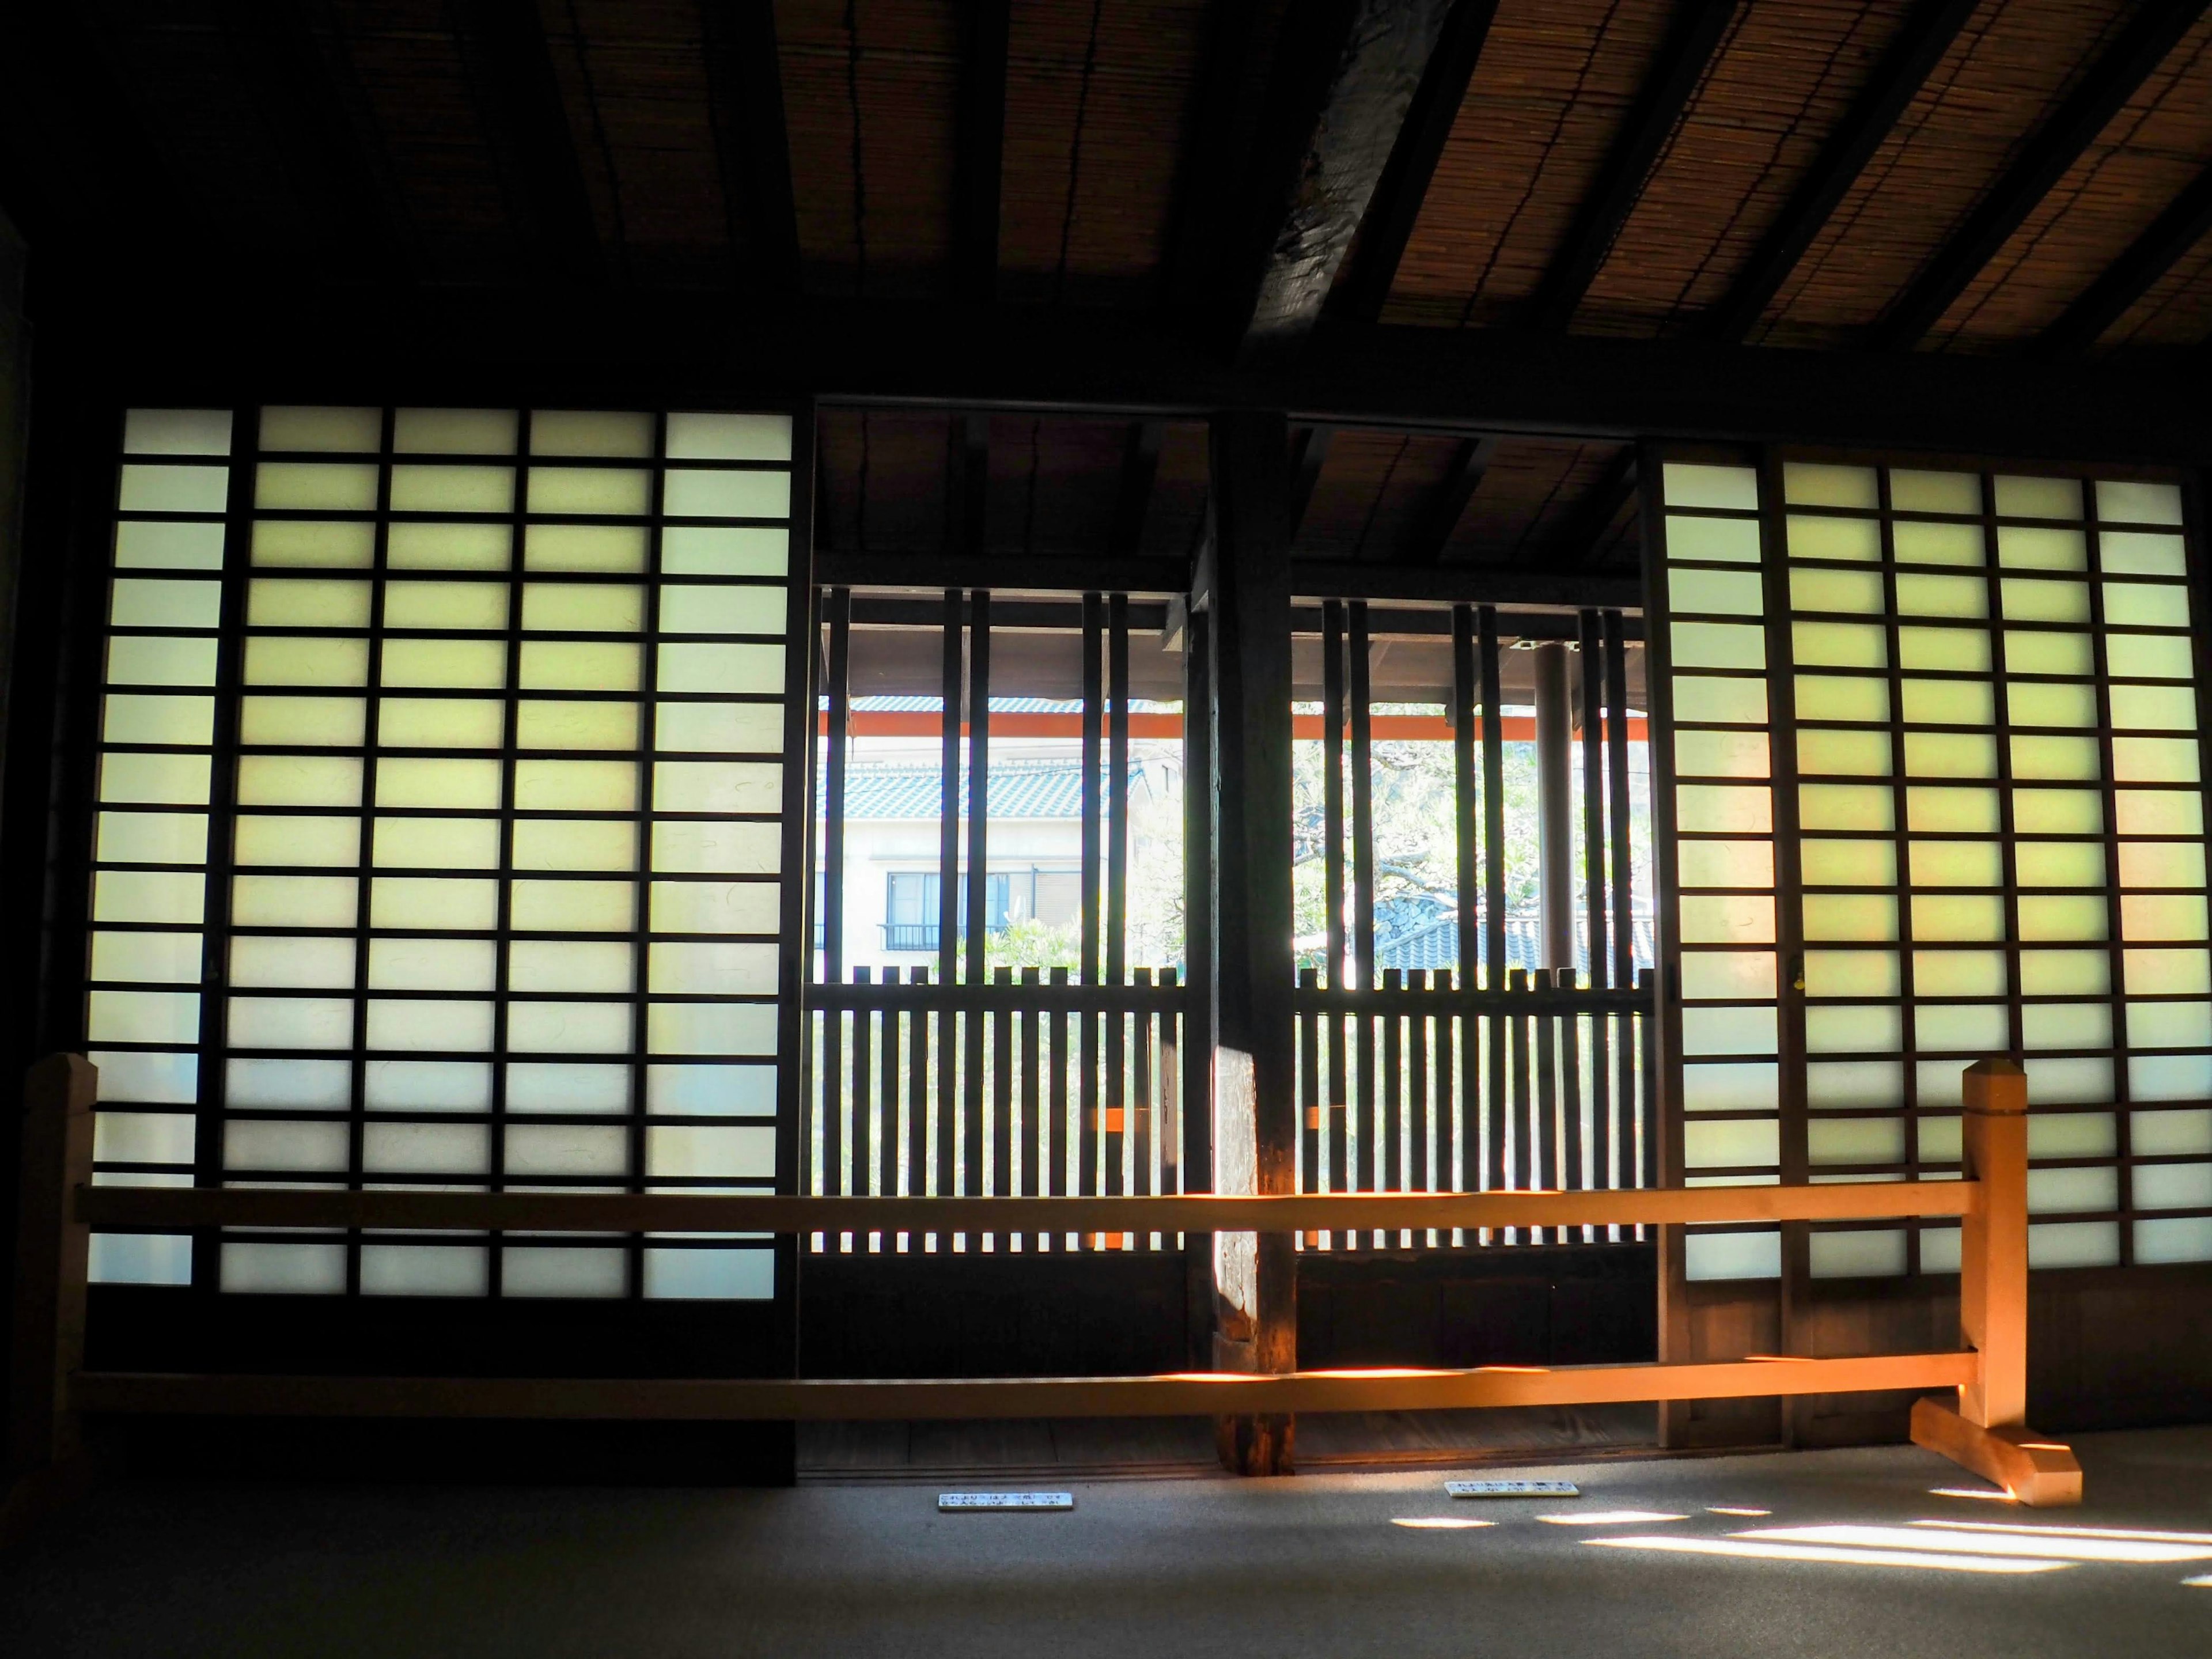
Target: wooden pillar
{"points": [[51, 1251], [1254, 1111], [1555, 820]]}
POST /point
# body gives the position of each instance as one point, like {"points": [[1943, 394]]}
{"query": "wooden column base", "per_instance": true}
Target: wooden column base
{"points": [[2039, 1473], [1256, 1445]]}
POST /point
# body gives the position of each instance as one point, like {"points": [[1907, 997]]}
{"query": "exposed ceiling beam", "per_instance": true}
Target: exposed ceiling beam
{"points": [[1464, 584], [1308, 454], [1917, 47], [744, 95], [980, 160], [2183, 224], [243, 343], [1140, 464], [526, 121], [1211, 155], [2131, 58], [1441, 516], [1344, 76], [1383, 233], [1698, 28], [1594, 510], [366, 226]]}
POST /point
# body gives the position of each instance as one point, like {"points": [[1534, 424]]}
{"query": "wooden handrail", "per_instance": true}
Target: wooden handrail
{"points": [[1985, 1432], [1187, 1394], [179, 1207]]}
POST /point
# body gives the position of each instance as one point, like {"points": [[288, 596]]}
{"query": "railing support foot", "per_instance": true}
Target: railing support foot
{"points": [[2038, 1471]]}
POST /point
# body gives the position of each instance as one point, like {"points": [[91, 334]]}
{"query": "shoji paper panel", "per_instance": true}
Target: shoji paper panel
{"points": [[1725, 917], [504, 822]]}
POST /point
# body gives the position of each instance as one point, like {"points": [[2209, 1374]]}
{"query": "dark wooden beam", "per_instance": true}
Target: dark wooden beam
{"points": [[1464, 584], [1344, 76], [1699, 27], [981, 157], [1594, 511], [1255, 1109], [1213, 155], [2183, 225], [309, 120], [2145, 406], [1308, 454], [1441, 516], [1373, 266], [745, 94], [525, 122], [2131, 58], [1913, 53], [1140, 464]]}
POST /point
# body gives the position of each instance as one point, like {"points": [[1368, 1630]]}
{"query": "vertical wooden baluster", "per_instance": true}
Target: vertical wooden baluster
{"points": [[1310, 1177], [1518, 1106], [1445, 1172], [1390, 1104], [1574, 1174], [1060, 1106], [1170, 1133], [1416, 1173], [867, 1121], [1544, 1167], [919, 1019], [1032, 1145], [1140, 1098], [1002, 1092], [944, 1018]]}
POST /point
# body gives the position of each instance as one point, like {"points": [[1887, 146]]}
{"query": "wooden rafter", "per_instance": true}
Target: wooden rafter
{"points": [[1308, 454], [2110, 83], [1696, 33], [511, 77], [1133, 501], [1373, 266], [1343, 79], [2184, 224], [1432, 533], [1594, 511], [981, 157], [1918, 46], [745, 91]]}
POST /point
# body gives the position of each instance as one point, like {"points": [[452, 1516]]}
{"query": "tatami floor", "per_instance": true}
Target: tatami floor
{"points": [[1832, 1553]]}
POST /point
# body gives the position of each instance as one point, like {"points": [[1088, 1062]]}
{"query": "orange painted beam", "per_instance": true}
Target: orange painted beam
{"points": [[1395, 728]]}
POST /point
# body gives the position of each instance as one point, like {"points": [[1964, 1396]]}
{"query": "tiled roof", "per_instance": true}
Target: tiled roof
{"points": [[1049, 790], [1435, 944]]}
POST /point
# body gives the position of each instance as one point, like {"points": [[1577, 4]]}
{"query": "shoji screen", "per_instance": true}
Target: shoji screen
{"points": [[1991, 707], [1723, 811], [443, 817]]}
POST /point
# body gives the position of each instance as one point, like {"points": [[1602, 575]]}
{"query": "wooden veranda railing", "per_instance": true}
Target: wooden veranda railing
{"points": [[1985, 1432], [1023, 1085], [1420, 1084]]}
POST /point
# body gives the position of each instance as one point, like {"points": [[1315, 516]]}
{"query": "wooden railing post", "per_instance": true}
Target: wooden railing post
{"points": [[51, 1251], [1993, 1247], [1988, 1432]]}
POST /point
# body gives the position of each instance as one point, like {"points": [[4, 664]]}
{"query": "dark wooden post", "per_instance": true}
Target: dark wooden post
{"points": [[51, 1251], [1256, 1117]]}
